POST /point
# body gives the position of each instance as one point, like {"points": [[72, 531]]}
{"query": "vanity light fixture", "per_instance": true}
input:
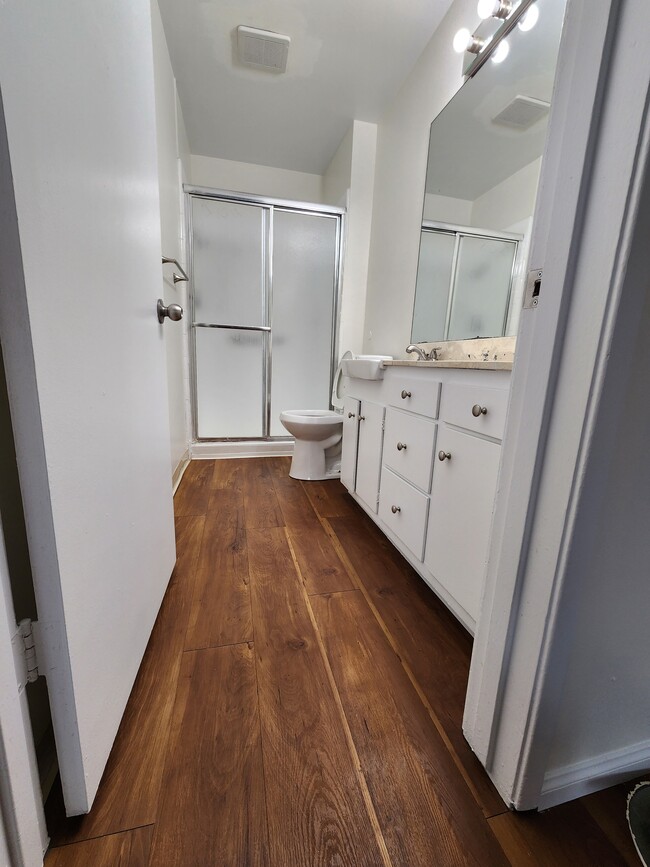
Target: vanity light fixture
{"points": [[529, 19], [498, 20], [500, 52], [466, 41], [494, 9]]}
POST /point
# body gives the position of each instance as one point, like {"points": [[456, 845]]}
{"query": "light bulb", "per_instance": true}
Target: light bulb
{"points": [[501, 52], [529, 18], [486, 8], [461, 40]]}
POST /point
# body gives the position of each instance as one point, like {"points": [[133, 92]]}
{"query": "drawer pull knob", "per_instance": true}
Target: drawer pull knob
{"points": [[395, 509], [444, 456], [478, 410], [362, 418], [401, 446], [405, 394], [351, 415]]}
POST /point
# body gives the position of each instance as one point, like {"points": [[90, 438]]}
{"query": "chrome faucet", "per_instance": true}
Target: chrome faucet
{"points": [[420, 352], [422, 355]]}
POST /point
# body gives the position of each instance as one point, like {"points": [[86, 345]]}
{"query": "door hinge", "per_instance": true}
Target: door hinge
{"points": [[25, 652]]}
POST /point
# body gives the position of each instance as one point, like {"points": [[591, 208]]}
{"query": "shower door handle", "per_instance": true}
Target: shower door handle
{"points": [[233, 327]]}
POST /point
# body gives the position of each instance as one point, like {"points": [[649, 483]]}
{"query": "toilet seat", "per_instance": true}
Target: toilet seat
{"points": [[310, 416]]}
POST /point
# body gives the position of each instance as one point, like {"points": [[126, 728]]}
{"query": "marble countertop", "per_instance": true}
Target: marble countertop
{"points": [[471, 364], [482, 353]]}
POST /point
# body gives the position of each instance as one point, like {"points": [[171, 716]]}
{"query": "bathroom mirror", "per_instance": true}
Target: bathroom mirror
{"points": [[485, 151]]}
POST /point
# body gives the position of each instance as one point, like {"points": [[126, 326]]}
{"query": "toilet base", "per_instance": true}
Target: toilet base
{"points": [[311, 463]]}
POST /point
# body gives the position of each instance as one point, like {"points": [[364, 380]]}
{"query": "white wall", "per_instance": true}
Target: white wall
{"points": [[173, 165], [255, 180], [349, 180], [402, 147], [445, 209], [510, 202], [338, 175]]}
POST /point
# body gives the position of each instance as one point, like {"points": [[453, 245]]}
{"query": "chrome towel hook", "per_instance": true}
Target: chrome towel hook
{"points": [[166, 260]]}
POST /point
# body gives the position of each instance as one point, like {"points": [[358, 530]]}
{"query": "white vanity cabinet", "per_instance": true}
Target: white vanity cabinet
{"points": [[407, 460], [350, 442], [460, 514], [363, 436], [437, 512]]}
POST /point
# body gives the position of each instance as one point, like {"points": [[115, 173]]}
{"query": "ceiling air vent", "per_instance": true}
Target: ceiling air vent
{"points": [[522, 112], [262, 48]]}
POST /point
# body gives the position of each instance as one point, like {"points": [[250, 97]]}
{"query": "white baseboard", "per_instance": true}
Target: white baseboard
{"points": [[246, 449], [591, 775], [177, 475]]}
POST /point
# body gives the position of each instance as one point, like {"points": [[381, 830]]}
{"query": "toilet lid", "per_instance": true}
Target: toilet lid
{"points": [[337, 386]]}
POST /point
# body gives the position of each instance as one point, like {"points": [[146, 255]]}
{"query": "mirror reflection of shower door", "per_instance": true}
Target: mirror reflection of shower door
{"points": [[264, 282], [482, 285]]}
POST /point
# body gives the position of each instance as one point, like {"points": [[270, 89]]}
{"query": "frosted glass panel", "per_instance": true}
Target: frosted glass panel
{"points": [[304, 270], [482, 287], [228, 262], [229, 383], [432, 286]]}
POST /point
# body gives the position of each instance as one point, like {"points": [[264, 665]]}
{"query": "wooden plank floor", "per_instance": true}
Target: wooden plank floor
{"points": [[300, 703]]}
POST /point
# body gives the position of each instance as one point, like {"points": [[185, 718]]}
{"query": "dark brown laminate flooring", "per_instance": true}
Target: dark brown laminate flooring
{"points": [[300, 703]]}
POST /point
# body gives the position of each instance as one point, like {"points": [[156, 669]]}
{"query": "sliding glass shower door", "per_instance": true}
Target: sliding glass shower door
{"points": [[264, 285]]}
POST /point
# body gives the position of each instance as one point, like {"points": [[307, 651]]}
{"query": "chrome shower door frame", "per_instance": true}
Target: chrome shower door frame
{"points": [[268, 206]]}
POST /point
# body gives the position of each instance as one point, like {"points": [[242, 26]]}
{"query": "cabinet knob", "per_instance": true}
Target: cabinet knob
{"points": [[395, 509], [444, 456], [351, 415], [405, 394], [401, 446], [478, 410], [362, 418]]}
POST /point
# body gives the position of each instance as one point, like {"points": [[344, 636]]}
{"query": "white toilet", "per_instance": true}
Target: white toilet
{"points": [[317, 434]]}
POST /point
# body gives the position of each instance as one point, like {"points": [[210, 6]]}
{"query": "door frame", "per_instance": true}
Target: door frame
{"points": [[561, 383], [22, 818], [269, 204]]}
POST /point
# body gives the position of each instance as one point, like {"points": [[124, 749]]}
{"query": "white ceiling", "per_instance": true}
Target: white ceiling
{"points": [[347, 59]]}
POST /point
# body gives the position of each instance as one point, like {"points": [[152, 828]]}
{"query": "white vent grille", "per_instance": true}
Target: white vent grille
{"points": [[262, 48], [522, 112]]}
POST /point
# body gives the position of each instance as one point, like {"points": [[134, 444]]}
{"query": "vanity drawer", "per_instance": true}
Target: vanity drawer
{"points": [[409, 520], [409, 442], [415, 395], [459, 401]]}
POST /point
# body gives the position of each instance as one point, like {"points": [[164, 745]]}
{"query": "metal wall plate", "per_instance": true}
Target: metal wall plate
{"points": [[533, 287]]}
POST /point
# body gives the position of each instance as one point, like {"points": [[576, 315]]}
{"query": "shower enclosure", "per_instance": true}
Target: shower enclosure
{"points": [[464, 283], [264, 292]]}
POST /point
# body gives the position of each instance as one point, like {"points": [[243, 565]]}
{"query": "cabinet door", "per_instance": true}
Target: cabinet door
{"points": [[371, 436], [350, 442], [460, 515]]}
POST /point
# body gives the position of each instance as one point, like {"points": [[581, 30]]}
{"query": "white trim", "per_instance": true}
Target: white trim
{"points": [[251, 199], [178, 473], [21, 806], [243, 449], [586, 214], [591, 775]]}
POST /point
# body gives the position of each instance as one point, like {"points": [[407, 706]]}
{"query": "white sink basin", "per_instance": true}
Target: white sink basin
{"points": [[365, 366]]}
